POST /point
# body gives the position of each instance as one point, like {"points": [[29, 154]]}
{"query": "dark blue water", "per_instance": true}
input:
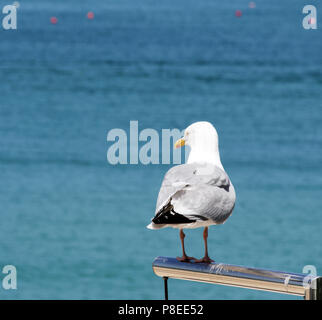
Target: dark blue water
{"points": [[74, 225]]}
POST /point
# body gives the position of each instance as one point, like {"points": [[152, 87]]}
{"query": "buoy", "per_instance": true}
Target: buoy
{"points": [[90, 15], [238, 13], [53, 20], [252, 5]]}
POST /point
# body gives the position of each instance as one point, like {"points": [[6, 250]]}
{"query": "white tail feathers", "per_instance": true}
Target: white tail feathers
{"points": [[154, 226]]}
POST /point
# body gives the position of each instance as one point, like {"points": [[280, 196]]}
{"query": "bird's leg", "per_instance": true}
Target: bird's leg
{"points": [[206, 258], [184, 257]]}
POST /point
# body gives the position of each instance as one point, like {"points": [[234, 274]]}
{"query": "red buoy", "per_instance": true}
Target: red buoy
{"points": [[53, 20], [238, 13], [90, 15]]}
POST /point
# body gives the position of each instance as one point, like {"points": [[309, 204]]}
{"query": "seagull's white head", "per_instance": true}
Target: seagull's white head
{"points": [[202, 138]]}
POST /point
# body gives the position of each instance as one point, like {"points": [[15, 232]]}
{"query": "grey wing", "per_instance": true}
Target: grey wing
{"points": [[197, 191]]}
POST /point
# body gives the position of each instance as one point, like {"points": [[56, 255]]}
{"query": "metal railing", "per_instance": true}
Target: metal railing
{"points": [[307, 286]]}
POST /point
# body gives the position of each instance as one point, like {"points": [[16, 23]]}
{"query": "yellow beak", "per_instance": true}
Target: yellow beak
{"points": [[179, 143]]}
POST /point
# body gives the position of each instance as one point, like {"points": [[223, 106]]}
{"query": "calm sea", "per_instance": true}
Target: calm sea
{"points": [[74, 225]]}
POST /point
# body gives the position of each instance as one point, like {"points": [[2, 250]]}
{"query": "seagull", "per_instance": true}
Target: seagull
{"points": [[198, 193]]}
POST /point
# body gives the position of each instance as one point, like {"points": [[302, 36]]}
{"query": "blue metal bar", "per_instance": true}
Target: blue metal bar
{"points": [[239, 276]]}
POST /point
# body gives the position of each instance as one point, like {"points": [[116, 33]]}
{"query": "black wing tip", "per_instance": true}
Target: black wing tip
{"points": [[168, 216]]}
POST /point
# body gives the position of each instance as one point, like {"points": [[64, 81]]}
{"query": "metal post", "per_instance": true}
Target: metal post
{"points": [[165, 288]]}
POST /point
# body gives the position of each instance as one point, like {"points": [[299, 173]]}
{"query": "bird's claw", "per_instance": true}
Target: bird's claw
{"points": [[185, 259], [205, 259]]}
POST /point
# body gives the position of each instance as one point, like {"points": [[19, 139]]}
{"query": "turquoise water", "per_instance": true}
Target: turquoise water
{"points": [[74, 225]]}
